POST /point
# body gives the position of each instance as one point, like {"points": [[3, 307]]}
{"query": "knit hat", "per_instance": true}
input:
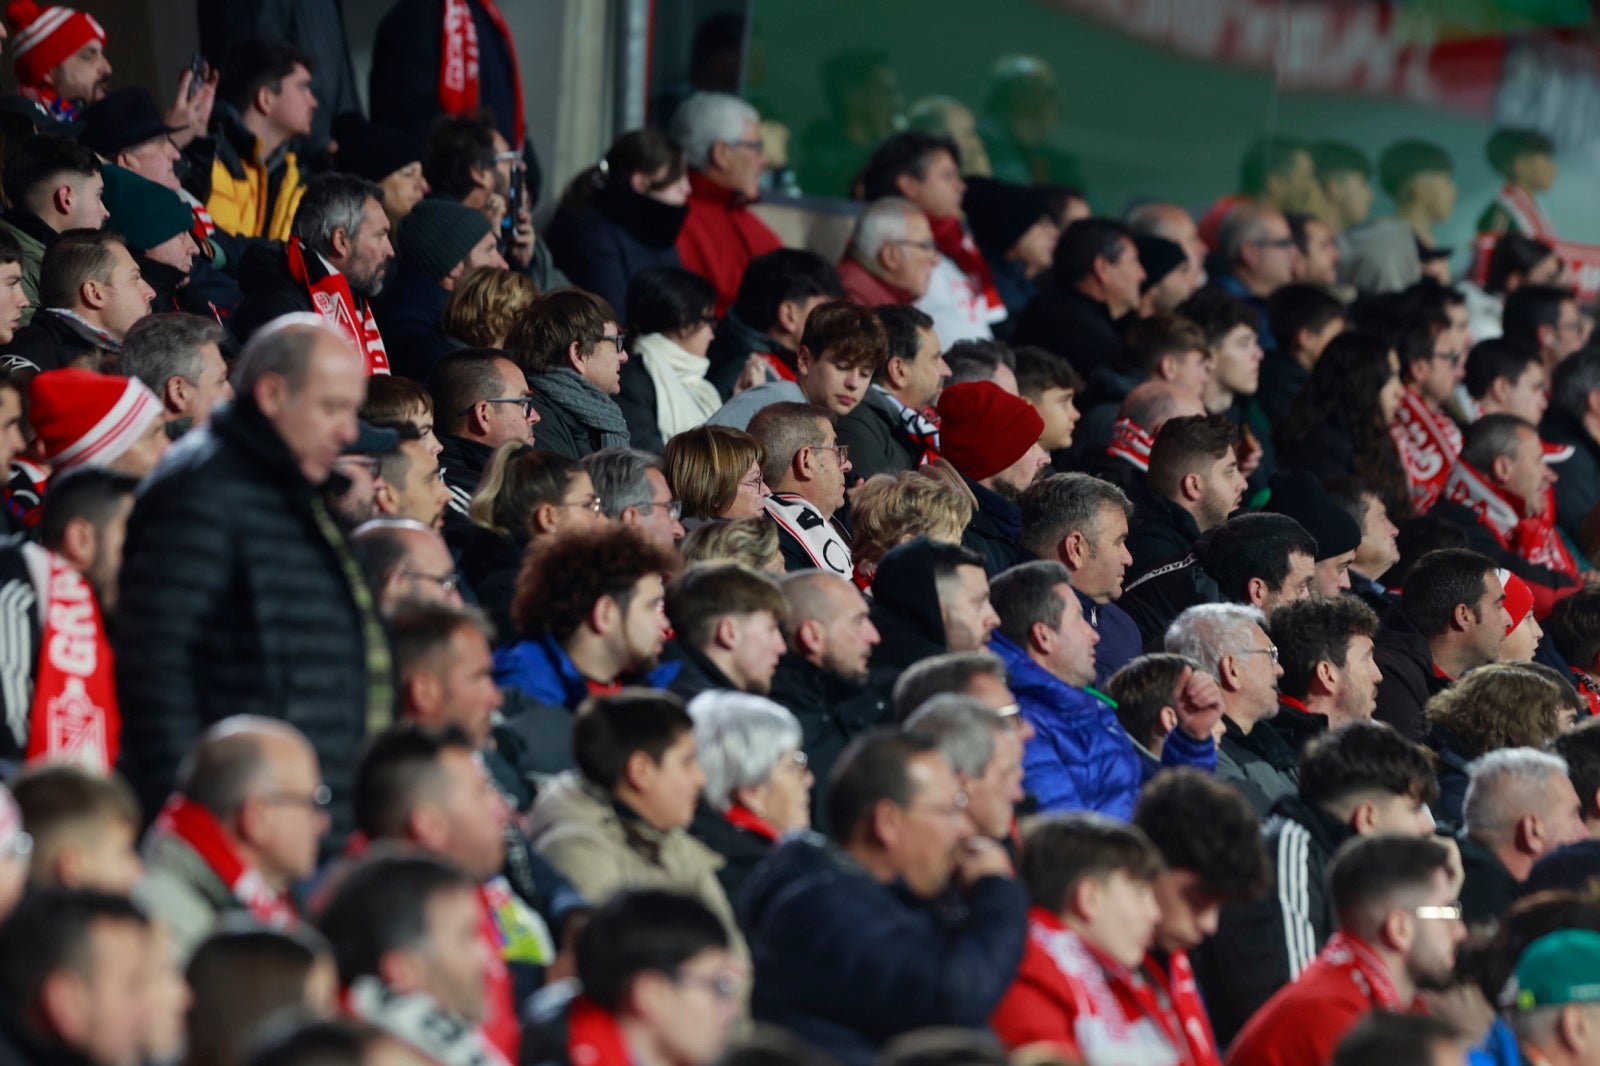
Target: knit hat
{"points": [[42, 37], [1519, 597], [88, 419], [1000, 212], [1570, 867], [1301, 496], [983, 428], [371, 151], [1562, 967], [438, 234], [146, 214], [1159, 257]]}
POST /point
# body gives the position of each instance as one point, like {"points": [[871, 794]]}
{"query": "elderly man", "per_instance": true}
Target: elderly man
{"points": [[179, 356], [720, 136], [406, 561], [1520, 806], [891, 254], [806, 468], [1257, 246], [250, 597], [633, 490]]}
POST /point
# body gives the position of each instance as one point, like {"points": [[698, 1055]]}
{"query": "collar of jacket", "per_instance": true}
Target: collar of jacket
{"points": [[1263, 742], [693, 656], [236, 145], [707, 191], [30, 225], [1327, 829], [575, 687], [836, 688], [242, 424], [164, 278], [1003, 514], [735, 328], [463, 454]]}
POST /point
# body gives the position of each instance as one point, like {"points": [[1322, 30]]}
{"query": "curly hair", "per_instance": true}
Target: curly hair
{"points": [[484, 304], [564, 576], [890, 509], [1501, 705], [1199, 824]]}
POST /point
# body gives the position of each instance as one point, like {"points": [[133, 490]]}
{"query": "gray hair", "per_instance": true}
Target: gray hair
{"points": [[785, 428], [1245, 223], [1492, 437], [620, 478], [1208, 632], [962, 728], [1152, 218], [886, 219], [1505, 785], [1576, 379], [952, 671], [284, 347], [1028, 594], [165, 346], [1066, 503], [332, 202], [706, 118], [739, 739]]}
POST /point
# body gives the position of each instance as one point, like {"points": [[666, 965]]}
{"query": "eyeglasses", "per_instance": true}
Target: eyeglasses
{"points": [[755, 483], [507, 157], [926, 246], [593, 503], [674, 508], [952, 811], [796, 759], [615, 338], [1271, 650], [448, 582], [725, 986], [753, 146], [1453, 358], [1450, 912], [317, 801], [372, 464], [842, 450], [526, 402]]}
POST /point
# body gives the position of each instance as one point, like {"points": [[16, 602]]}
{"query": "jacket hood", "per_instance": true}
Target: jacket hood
{"points": [[904, 585]]}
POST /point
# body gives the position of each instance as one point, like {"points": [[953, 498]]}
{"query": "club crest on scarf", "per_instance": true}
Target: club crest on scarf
{"points": [[74, 700]]}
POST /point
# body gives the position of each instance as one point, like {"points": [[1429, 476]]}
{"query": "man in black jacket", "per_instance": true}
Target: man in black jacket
{"points": [[727, 622], [1094, 296], [928, 597], [1194, 485], [758, 338], [888, 432], [91, 294], [991, 438], [481, 400], [1520, 806], [250, 598], [1574, 419]]}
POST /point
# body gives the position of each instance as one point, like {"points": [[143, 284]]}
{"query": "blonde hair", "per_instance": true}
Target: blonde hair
{"points": [[1501, 705], [892, 508], [485, 302], [751, 542], [516, 480], [704, 466]]}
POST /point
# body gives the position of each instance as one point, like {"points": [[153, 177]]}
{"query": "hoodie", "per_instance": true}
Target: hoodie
{"points": [[905, 608]]}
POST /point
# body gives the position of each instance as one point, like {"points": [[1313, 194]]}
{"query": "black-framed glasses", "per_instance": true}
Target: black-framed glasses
{"points": [[448, 582], [615, 338], [319, 799], [525, 402]]}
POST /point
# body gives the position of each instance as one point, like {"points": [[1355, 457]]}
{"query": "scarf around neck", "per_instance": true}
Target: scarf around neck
{"points": [[460, 89], [75, 717], [417, 1021], [332, 299], [1428, 444], [684, 398], [951, 235], [197, 827], [1131, 443], [1525, 212], [813, 530], [917, 426], [1533, 538], [578, 397]]}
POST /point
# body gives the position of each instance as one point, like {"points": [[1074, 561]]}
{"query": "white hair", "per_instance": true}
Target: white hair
{"points": [[706, 118], [1506, 785], [963, 728], [1209, 631], [886, 219], [739, 739]]}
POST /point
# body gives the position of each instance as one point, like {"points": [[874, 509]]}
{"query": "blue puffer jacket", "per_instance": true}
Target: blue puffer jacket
{"points": [[1080, 757], [541, 669]]}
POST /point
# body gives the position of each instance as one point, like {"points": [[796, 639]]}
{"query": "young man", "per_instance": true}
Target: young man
{"points": [[1161, 348], [890, 430], [83, 826], [440, 243], [1194, 485], [1547, 316], [253, 183], [1507, 377], [52, 184], [1052, 386], [1379, 549], [411, 485], [1303, 319], [1329, 675], [728, 631], [1428, 441], [1574, 626], [1237, 352], [761, 333], [992, 439], [928, 597]]}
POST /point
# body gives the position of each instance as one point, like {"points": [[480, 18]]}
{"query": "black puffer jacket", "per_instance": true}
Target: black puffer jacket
{"points": [[235, 599], [832, 711]]}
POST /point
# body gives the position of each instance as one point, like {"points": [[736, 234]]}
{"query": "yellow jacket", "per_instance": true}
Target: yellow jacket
{"points": [[250, 198]]}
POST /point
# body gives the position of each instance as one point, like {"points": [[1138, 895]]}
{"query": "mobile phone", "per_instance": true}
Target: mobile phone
{"points": [[197, 73], [513, 199]]}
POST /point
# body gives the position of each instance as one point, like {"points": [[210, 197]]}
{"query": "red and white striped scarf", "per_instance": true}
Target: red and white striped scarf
{"points": [[1533, 538], [1428, 443], [460, 92], [1131, 443], [199, 828]]}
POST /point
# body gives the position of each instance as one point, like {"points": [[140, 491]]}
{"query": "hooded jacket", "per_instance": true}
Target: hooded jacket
{"points": [[905, 608], [848, 963], [1410, 677], [1078, 328], [411, 315], [735, 342]]}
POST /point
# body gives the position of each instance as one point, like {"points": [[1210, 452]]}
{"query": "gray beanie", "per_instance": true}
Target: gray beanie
{"points": [[438, 234]]}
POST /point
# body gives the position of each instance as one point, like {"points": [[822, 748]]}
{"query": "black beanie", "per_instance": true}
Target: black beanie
{"points": [[1301, 496], [1159, 257], [371, 151], [1000, 212]]}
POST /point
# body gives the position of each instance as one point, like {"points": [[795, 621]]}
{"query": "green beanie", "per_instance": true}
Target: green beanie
{"points": [[438, 234], [146, 214]]}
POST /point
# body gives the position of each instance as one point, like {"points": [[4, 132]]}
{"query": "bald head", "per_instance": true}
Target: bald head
{"points": [[815, 596], [406, 560], [241, 757], [1152, 403]]}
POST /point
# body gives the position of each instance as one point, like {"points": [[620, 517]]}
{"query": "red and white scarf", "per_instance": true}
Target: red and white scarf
{"points": [[1359, 964], [459, 87], [1182, 999], [1428, 443], [199, 828], [1526, 214], [1533, 538], [817, 534], [920, 428], [951, 235], [1130, 442], [332, 299], [75, 716]]}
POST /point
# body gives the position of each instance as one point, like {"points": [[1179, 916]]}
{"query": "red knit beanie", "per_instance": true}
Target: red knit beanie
{"points": [[41, 37], [88, 419], [983, 428], [1519, 597]]}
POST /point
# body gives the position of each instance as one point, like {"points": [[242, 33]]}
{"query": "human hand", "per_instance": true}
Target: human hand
{"points": [[1198, 703], [192, 114], [754, 373], [980, 858]]}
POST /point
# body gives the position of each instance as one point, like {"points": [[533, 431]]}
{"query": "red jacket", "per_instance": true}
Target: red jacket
{"points": [[720, 237]]}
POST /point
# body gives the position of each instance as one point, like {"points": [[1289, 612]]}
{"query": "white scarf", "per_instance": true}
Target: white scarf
{"points": [[419, 1022], [684, 398]]}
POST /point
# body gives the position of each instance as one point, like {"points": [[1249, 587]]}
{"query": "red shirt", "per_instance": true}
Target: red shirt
{"points": [[720, 237]]}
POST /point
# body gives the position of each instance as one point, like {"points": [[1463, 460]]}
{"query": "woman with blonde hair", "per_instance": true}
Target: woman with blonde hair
{"points": [[716, 472], [751, 542], [890, 509], [480, 309]]}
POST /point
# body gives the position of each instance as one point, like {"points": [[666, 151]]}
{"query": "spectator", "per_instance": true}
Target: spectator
{"points": [[1384, 1037], [886, 511], [96, 421], [1013, 227], [1339, 424], [470, 163], [1345, 176], [445, 670], [1546, 315], [336, 260], [571, 347], [1520, 805], [16, 849], [977, 674], [589, 614], [1145, 694], [1168, 277], [843, 961], [840, 352], [1575, 630], [1232, 338], [807, 490], [1451, 618], [928, 598], [1125, 460], [1318, 245], [890, 430], [758, 339], [1550, 1014], [1256, 248], [717, 472], [727, 625], [1303, 318], [439, 244], [242, 976], [179, 357], [670, 326], [1525, 636], [1195, 484], [720, 139], [83, 826], [1516, 260], [984, 751], [404, 930], [823, 679], [633, 491], [1398, 932], [1159, 218], [655, 976], [1301, 497], [1080, 758], [155, 225], [73, 980], [1507, 377], [1428, 441], [52, 185], [482, 401], [1574, 421], [252, 183], [757, 781], [750, 542], [91, 294], [1379, 549], [14, 299], [406, 560], [410, 481], [484, 303], [892, 255], [1232, 644], [74, 564], [983, 361], [1049, 383], [1329, 675], [60, 60], [1356, 780], [1094, 292], [392, 400], [241, 829], [1081, 522], [991, 438], [243, 512], [353, 498], [390, 158]]}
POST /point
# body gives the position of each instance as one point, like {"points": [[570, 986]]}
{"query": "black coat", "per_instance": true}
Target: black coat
{"points": [[1157, 598], [559, 431], [1295, 727], [993, 532], [686, 671], [410, 315], [637, 402], [1409, 676], [1160, 531], [905, 608], [741, 849], [1578, 490], [878, 443], [462, 461], [1324, 449], [49, 342], [732, 347], [1490, 889], [490, 563], [1281, 381], [1454, 761], [236, 599], [832, 711], [270, 290], [601, 253], [1079, 329]]}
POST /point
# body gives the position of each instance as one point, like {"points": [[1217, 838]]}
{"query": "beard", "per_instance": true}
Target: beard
{"points": [[368, 279]]}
